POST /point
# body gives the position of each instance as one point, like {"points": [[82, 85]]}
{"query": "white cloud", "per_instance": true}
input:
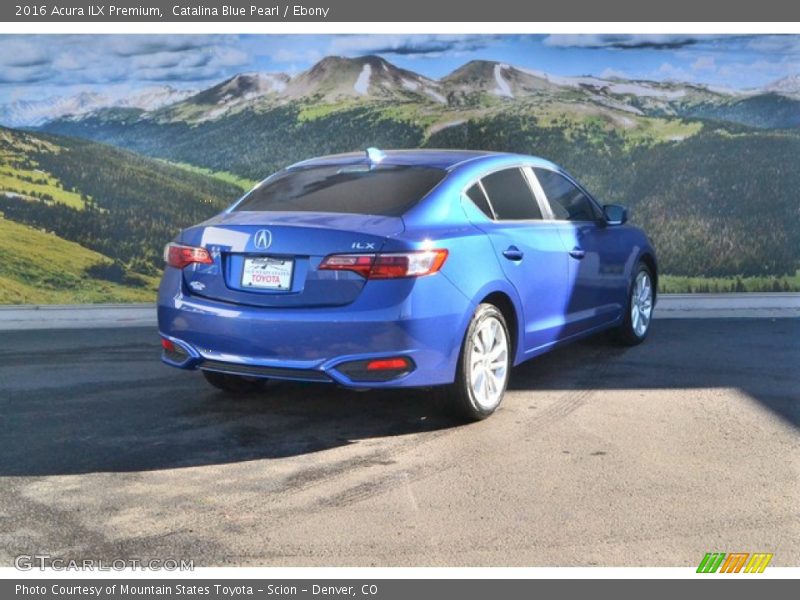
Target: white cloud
{"points": [[139, 45], [409, 45], [626, 41], [228, 56], [774, 69], [76, 60], [22, 61], [776, 44], [21, 53], [611, 73], [67, 61], [671, 72], [289, 55], [22, 75], [705, 63]]}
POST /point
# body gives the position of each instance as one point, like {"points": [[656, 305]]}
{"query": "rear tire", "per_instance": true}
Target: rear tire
{"points": [[483, 368], [234, 384], [639, 309]]}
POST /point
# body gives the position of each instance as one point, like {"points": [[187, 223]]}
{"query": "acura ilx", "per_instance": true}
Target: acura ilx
{"points": [[407, 268]]}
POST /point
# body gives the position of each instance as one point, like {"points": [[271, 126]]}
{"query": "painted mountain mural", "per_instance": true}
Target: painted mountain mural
{"points": [[712, 174]]}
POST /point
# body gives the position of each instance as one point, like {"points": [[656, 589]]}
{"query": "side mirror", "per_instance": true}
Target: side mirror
{"points": [[615, 214]]}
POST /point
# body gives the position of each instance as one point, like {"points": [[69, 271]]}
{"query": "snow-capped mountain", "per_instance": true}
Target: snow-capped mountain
{"points": [[336, 79], [241, 88], [37, 112], [497, 79], [31, 113], [788, 86], [153, 98], [232, 94]]}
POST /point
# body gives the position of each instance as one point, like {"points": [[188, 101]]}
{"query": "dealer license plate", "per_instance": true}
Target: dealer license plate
{"points": [[267, 273]]}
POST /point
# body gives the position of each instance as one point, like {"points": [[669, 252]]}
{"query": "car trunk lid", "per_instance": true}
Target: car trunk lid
{"points": [[272, 259]]}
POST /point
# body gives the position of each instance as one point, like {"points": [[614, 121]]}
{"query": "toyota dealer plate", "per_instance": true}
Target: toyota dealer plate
{"points": [[267, 273]]}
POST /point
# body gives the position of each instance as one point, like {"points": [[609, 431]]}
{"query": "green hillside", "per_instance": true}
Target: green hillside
{"points": [[253, 144], [41, 268], [768, 111], [23, 177], [109, 210], [120, 204]]}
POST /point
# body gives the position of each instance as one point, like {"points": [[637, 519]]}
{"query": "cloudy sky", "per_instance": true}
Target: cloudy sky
{"points": [[35, 67]]}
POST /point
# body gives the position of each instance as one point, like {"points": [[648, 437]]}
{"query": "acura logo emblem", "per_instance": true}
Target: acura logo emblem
{"points": [[262, 239]]}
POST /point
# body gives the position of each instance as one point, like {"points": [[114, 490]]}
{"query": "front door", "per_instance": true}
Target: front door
{"points": [[595, 252]]}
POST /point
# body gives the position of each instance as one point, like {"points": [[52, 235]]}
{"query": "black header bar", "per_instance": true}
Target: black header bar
{"points": [[443, 11]]}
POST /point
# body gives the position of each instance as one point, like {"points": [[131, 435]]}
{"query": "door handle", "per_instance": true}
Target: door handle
{"points": [[513, 253], [577, 253]]}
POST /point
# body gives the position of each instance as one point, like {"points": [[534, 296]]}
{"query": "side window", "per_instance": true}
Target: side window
{"points": [[567, 201], [511, 196], [475, 193]]}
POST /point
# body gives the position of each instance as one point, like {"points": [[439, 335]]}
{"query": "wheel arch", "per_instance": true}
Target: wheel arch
{"points": [[508, 309], [648, 259]]}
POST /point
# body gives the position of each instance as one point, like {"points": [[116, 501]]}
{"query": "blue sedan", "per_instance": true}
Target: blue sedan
{"points": [[407, 268]]}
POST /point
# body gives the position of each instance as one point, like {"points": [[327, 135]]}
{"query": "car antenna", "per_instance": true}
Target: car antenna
{"points": [[375, 156]]}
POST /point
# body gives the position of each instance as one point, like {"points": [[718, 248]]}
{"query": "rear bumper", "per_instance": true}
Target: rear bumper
{"points": [[423, 321]]}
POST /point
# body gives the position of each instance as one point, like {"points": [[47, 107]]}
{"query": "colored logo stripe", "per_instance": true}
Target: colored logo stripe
{"points": [[758, 562], [711, 562], [734, 562]]}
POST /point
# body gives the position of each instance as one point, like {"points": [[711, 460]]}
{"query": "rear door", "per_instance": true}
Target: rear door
{"points": [[529, 249]]}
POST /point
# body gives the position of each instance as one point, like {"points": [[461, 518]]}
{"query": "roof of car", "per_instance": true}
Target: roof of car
{"points": [[442, 159]]}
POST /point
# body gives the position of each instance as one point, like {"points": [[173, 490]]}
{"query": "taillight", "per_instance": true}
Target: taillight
{"points": [[358, 263], [389, 265], [178, 255]]}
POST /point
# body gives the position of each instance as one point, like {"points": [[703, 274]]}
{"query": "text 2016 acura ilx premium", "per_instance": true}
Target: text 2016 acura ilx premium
{"points": [[402, 269]]}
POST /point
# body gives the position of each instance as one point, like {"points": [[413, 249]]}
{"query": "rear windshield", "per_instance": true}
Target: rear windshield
{"points": [[360, 189]]}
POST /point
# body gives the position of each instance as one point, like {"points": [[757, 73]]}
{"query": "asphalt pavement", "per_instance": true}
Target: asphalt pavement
{"points": [[600, 455]]}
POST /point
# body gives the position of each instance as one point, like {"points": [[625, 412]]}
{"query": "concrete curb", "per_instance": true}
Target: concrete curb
{"points": [[89, 316], [732, 305], [670, 306]]}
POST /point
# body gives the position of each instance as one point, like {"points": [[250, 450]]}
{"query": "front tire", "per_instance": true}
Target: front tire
{"points": [[234, 384], [484, 366], [639, 311]]}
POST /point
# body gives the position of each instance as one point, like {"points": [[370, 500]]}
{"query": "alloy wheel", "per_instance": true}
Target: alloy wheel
{"points": [[641, 304], [488, 363]]}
